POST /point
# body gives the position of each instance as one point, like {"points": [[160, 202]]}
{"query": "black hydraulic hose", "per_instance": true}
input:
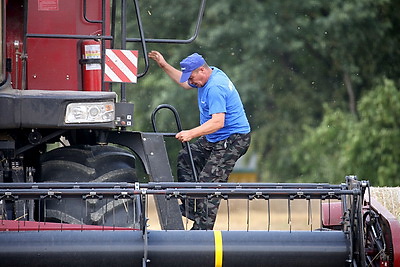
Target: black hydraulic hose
{"points": [[179, 126]]}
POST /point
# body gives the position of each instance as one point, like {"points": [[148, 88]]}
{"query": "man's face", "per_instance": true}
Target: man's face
{"points": [[198, 77]]}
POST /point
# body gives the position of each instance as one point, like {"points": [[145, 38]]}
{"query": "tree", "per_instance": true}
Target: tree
{"points": [[366, 147], [292, 61], [372, 148], [288, 58]]}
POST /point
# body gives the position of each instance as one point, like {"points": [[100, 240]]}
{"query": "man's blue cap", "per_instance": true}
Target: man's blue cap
{"points": [[189, 64]]}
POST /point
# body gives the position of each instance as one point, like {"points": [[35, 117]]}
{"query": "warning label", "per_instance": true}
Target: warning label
{"points": [[48, 5], [92, 51]]}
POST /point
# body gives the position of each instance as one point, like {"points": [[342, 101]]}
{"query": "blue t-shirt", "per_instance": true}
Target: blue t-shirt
{"points": [[219, 95]]}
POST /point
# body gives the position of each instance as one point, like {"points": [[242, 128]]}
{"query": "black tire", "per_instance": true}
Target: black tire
{"points": [[90, 164]]}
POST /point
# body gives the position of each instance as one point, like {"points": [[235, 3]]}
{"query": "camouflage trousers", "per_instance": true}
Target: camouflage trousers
{"points": [[213, 163]]}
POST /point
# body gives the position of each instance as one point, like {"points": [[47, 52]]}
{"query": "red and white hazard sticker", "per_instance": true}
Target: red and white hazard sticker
{"points": [[121, 66]]}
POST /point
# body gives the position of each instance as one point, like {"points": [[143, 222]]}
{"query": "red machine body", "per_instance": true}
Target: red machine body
{"points": [[53, 63], [14, 40], [22, 226], [389, 230]]}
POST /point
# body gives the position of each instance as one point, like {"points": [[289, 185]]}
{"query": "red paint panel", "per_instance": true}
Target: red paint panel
{"points": [[19, 226], [67, 19], [393, 230], [332, 214], [53, 64]]}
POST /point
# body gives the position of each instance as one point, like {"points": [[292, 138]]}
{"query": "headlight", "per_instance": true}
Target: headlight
{"points": [[90, 112]]}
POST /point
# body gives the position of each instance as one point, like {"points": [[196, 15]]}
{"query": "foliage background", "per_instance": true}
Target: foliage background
{"points": [[319, 80]]}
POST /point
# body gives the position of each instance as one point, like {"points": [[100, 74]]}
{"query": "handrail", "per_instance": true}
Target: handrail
{"points": [[179, 126], [142, 40], [85, 15], [178, 41]]}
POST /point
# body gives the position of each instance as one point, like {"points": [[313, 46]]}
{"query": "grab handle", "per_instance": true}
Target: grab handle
{"points": [[179, 126]]}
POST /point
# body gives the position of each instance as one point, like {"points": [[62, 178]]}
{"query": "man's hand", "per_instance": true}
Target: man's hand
{"points": [[184, 136], [216, 122], [172, 72], [158, 57]]}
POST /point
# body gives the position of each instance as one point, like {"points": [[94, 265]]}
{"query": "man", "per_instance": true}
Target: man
{"points": [[224, 131]]}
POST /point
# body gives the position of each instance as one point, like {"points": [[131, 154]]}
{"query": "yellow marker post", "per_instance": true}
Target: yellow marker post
{"points": [[218, 248]]}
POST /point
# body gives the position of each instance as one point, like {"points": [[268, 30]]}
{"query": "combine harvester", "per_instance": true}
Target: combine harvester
{"points": [[81, 204]]}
